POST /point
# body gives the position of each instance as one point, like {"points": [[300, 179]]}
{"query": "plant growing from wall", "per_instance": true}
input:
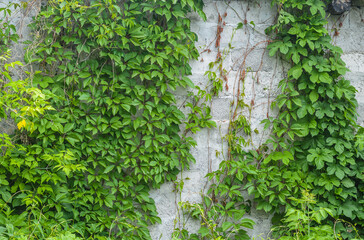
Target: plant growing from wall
{"points": [[85, 166], [223, 207], [315, 142], [300, 220], [20, 103]]}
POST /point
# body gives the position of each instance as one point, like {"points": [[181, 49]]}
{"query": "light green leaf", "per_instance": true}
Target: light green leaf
{"points": [[313, 96], [109, 168], [226, 226]]}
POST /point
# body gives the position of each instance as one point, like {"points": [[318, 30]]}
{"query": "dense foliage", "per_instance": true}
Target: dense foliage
{"points": [[98, 127], [315, 144], [315, 141], [85, 166]]}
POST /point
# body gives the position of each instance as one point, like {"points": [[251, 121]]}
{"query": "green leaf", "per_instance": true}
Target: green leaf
{"points": [[239, 26], [296, 57], [84, 96], [68, 127], [313, 96], [295, 71], [325, 78], [6, 196], [320, 156], [226, 226], [109, 200], [247, 223], [300, 129], [347, 183], [339, 173], [203, 231], [294, 30], [301, 112], [84, 74], [297, 101], [109, 168], [158, 178]]}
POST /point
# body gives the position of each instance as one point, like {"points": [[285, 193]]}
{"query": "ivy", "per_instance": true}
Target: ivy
{"points": [[98, 126], [316, 125], [108, 70], [315, 144], [223, 207]]}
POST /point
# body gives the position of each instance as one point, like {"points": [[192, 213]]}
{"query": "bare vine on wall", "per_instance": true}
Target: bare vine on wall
{"points": [[270, 171], [221, 198]]}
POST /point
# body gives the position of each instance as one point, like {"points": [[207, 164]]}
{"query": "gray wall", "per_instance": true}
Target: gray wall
{"points": [[263, 74], [260, 86], [20, 17]]}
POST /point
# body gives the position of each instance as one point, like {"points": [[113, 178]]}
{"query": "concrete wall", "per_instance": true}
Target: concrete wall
{"points": [[263, 74], [21, 18]]}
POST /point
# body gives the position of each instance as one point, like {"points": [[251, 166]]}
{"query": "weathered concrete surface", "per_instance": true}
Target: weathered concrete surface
{"points": [[263, 75], [20, 18]]}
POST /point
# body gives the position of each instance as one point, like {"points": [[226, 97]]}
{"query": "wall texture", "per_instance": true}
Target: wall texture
{"points": [[21, 18], [262, 76]]}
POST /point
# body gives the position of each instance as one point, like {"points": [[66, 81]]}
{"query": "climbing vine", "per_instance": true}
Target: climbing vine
{"points": [[98, 126], [85, 166], [315, 144], [222, 211]]}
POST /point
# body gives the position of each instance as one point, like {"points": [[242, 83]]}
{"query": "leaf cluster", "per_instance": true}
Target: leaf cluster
{"points": [[315, 139], [83, 167]]}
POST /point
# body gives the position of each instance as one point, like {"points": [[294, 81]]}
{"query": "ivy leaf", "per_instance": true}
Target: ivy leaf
{"points": [[320, 156], [248, 223], [339, 144], [300, 129], [84, 74], [68, 127], [343, 87], [294, 30], [283, 49], [284, 156], [296, 57], [203, 231], [316, 5], [348, 208], [325, 78], [274, 48], [240, 26], [158, 178], [313, 96], [6, 196], [109, 200], [323, 109], [295, 71], [347, 183], [226, 226], [109, 168], [314, 76], [297, 101], [339, 173], [84, 97], [302, 112], [238, 214]]}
